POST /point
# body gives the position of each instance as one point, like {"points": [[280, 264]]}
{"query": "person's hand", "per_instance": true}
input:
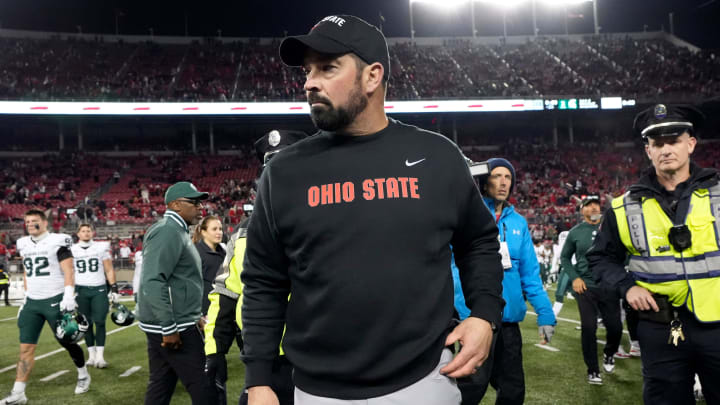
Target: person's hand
{"points": [[262, 395], [214, 362], [172, 342], [68, 303], [640, 299], [201, 323], [475, 336], [114, 297], [546, 333], [579, 285]]}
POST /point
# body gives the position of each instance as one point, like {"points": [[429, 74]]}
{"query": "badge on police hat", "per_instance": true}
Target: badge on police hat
{"points": [[274, 138], [660, 111]]}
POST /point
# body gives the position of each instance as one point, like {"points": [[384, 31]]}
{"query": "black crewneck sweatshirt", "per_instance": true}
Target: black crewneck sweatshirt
{"points": [[357, 231]]}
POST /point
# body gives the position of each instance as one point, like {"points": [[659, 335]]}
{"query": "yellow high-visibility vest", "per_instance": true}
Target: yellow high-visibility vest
{"points": [[691, 277]]}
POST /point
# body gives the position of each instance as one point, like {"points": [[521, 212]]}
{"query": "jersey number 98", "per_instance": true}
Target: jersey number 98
{"points": [[91, 265]]}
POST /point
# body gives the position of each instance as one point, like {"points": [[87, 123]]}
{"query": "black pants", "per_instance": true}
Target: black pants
{"points": [[589, 303], [669, 371], [503, 370], [187, 363], [631, 319], [5, 288]]}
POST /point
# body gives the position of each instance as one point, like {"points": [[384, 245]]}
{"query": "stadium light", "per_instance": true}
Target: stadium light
{"points": [[445, 4]]}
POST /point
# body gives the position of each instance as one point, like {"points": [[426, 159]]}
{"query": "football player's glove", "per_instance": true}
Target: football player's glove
{"points": [[114, 295], [68, 303], [122, 316], [71, 327]]}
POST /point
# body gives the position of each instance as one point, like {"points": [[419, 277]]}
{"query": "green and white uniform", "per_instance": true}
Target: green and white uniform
{"points": [[45, 282], [90, 284]]}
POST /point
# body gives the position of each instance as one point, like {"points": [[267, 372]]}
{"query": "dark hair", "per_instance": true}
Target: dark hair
{"points": [[202, 226], [360, 65], [36, 212]]}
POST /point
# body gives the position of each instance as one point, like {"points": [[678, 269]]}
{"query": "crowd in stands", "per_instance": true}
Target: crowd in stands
{"points": [[131, 190], [211, 70]]}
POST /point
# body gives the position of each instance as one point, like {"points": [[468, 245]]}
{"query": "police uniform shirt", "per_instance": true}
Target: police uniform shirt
{"points": [[88, 260], [45, 278]]}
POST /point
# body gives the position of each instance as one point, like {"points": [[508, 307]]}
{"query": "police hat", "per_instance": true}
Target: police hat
{"points": [[274, 141], [670, 120]]}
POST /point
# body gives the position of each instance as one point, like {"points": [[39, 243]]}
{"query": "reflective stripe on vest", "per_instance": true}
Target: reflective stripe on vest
{"points": [[691, 277]]}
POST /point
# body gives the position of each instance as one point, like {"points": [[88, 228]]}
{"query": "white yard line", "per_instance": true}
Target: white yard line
{"points": [[130, 371], [54, 352], [8, 319], [546, 347], [54, 375]]}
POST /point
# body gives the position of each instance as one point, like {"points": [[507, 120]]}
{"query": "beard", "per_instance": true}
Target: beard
{"points": [[327, 117]]}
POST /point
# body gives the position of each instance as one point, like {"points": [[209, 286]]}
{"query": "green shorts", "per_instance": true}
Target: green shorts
{"points": [[34, 314]]}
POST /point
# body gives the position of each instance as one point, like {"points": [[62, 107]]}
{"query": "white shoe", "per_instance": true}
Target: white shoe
{"points": [[101, 363], [595, 379], [14, 398], [83, 385], [621, 354], [635, 351], [90, 361], [608, 363]]}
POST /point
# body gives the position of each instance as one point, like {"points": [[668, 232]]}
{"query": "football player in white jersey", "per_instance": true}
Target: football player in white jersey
{"points": [[49, 289], [93, 268]]}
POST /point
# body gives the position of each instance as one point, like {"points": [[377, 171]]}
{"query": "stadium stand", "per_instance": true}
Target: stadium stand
{"points": [[250, 70]]}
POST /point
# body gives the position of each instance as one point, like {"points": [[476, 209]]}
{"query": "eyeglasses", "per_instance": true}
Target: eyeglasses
{"points": [[196, 203]]}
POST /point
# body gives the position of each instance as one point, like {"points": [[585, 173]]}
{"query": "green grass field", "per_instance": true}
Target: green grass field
{"points": [[551, 377]]}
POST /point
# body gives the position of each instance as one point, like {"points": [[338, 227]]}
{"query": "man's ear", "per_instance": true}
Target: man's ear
{"points": [[692, 143], [373, 77]]}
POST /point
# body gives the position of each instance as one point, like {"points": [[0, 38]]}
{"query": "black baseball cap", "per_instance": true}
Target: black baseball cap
{"points": [[668, 120], [339, 34]]}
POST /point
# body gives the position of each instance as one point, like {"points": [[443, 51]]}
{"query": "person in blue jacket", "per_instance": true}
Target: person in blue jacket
{"points": [[503, 369]]}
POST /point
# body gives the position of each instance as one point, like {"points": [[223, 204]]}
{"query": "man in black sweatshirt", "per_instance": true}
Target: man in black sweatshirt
{"points": [[355, 224]]}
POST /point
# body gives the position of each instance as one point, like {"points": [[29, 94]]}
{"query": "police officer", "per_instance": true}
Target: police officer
{"points": [[224, 321], [4, 283], [668, 224]]}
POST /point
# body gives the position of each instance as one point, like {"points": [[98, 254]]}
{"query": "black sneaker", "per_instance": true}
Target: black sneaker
{"points": [[608, 363], [595, 379]]}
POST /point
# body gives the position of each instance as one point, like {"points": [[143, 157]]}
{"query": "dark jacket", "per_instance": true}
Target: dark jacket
{"points": [[607, 255], [171, 283], [211, 266]]}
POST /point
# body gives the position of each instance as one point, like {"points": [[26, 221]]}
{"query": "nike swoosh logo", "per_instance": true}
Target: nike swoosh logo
{"points": [[410, 164], [54, 305]]}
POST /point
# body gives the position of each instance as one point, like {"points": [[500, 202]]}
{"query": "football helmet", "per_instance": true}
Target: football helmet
{"points": [[71, 327], [122, 316]]}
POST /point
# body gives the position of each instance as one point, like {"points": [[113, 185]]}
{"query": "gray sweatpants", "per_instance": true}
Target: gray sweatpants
{"points": [[433, 389]]}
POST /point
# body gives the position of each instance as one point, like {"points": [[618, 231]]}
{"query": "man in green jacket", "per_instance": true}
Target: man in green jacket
{"points": [[170, 300], [590, 296]]}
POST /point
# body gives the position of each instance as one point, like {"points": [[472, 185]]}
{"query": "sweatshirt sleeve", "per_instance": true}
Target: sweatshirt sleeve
{"points": [[532, 283], [566, 256], [266, 285], [607, 257], [162, 250], [475, 245]]}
